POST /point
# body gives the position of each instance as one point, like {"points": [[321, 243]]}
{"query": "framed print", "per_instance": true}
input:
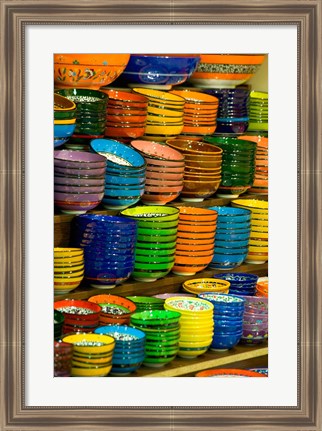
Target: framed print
{"points": [[290, 34]]}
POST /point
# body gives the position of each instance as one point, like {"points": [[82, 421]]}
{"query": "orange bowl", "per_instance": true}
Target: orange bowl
{"points": [[189, 147], [197, 214], [88, 70]]}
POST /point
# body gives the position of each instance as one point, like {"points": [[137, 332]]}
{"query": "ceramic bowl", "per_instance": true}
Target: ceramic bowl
{"points": [[199, 285], [88, 70], [225, 70], [151, 70]]}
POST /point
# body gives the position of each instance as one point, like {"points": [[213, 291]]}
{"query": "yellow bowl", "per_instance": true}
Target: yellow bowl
{"points": [[198, 285], [90, 372], [259, 221], [68, 261], [256, 234], [161, 120], [68, 252], [72, 277], [163, 130], [260, 243], [163, 96], [71, 270], [197, 344], [70, 121], [196, 337], [107, 343], [169, 113], [257, 249], [191, 353], [252, 204]]}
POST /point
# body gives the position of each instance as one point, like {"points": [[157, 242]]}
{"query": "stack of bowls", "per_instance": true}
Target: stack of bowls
{"points": [[88, 70], [79, 315], [64, 119], [78, 180], [146, 303], [195, 240], [262, 287], [232, 237], [92, 354], [159, 71], [228, 319], [202, 174], [126, 114], [165, 114], [225, 70], [258, 242], [58, 323], [260, 184], [124, 175], [68, 269], [91, 115], [164, 172], [129, 351], [240, 283], [196, 324], [201, 285], [238, 165], [63, 355], [109, 247], [233, 111], [200, 112], [162, 331], [116, 310], [255, 320], [258, 111], [156, 241]]}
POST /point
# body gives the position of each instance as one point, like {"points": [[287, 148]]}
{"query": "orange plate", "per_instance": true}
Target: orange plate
{"points": [[231, 372]]}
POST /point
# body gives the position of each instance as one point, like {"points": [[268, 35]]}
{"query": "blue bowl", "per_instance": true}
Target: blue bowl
{"points": [[226, 261], [140, 336], [120, 180], [223, 300], [232, 237], [225, 341], [228, 215], [111, 149], [63, 130], [230, 251], [232, 228], [239, 278], [108, 273], [231, 244], [159, 69], [123, 193], [119, 204], [58, 142]]}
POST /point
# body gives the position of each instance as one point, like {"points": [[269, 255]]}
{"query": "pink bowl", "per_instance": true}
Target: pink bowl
{"points": [[167, 169], [164, 175], [159, 181], [157, 150]]}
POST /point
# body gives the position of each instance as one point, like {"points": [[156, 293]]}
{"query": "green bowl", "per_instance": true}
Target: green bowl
{"points": [[154, 253], [168, 337], [227, 143], [156, 238], [161, 352], [156, 317], [65, 115], [154, 266], [91, 100], [154, 246], [154, 213], [154, 260], [146, 275], [158, 362], [156, 232], [156, 224]]}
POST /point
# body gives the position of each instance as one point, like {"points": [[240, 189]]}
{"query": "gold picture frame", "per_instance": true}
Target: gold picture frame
{"points": [[15, 16]]}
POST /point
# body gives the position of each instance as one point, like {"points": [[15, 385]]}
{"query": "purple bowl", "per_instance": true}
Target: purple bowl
{"points": [[76, 207], [95, 172], [81, 182], [78, 189], [78, 197], [74, 158]]}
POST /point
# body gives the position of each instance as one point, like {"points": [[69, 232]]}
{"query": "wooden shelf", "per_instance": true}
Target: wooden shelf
{"points": [[170, 283], [243, 355]]}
